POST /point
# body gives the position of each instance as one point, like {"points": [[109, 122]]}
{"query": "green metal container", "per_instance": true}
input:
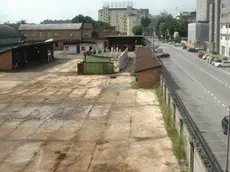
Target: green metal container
{"points": [[95, 59], [98, 68]]}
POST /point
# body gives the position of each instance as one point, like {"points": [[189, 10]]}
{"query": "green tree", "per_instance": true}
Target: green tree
{"points": [[78, 19], [170, 24], [138, 30], [178, 39], [145, 21], [97, 25], [17, 24], [182, 27]]}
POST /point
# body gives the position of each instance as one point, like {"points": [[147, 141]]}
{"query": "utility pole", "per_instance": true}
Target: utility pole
{"points": [[166, 34], [228, 149], [227, 48]]}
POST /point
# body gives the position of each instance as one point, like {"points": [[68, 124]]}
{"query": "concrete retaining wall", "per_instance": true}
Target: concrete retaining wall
{"points": [[193, 158], [123, 59]]}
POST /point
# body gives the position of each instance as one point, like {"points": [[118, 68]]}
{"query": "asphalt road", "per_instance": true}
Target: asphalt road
{"points": [[205, 91]]}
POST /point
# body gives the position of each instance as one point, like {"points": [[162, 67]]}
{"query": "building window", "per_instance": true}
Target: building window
{"points": [[56, 44], [40, 34], [223, 50], [64, 34], [32, 34], [55, 34], [76, 33], [85, 33], [48, 34], [71, 34], [25, 34]]}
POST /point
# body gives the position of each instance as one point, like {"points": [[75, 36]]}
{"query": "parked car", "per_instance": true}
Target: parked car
{"points": [[177, 45], [199, 49], [159, 50], [224, 125], [201, 54], [192, 50], [216, 61], [223, 64], [162, 55]]}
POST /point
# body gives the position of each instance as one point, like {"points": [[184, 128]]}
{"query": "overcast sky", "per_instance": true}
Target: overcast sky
{"points": [[37, 11]]}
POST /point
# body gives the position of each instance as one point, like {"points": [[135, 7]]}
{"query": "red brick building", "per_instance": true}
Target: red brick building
{"points": [[63, 34], [147, 68]]}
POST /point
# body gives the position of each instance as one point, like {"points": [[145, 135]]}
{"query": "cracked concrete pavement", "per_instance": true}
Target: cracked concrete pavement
{"points": [[52, 119]]}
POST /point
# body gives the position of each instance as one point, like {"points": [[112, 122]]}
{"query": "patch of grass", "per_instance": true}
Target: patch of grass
{"points": [[134, 85], [132, 70], [177, 139]]}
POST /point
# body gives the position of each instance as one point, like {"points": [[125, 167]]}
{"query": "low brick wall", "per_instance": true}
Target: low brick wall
{"points": [[6, 61]]}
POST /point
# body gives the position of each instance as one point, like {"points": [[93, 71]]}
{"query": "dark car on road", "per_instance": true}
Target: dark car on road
{"points": [[162, 55], [224, 125], [192, 50]]}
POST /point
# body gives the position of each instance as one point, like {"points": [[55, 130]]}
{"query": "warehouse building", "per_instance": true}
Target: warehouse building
{"points": [[69, 34]]}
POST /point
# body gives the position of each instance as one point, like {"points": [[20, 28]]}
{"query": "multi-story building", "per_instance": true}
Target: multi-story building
{"points": [[217, 26], [70, 33], [199, 31], [188, 16], [132, 21], [118, 16], [225, 27], [202, 10]]}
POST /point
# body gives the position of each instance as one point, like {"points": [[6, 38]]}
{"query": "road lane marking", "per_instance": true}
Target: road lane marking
{"points": [[194, 79], [204, 71]]}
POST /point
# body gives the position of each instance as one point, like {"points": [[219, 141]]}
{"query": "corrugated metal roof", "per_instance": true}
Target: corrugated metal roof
{"points": [[7, 31], [145, 59], [6, 48], [66, 26]]}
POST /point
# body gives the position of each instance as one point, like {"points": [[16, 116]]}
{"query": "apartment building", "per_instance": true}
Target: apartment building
{"points": [[70, 33], [225, 27], [132, 21], [118, 17]]}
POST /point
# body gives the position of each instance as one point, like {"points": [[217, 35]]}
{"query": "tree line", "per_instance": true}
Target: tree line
{"points": [[97, 25], [167, 25]]}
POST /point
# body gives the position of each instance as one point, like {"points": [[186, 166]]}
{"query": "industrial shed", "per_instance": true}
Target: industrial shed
{"points": [[15, 53], [147, 68], [123, 42], [25, 55]]}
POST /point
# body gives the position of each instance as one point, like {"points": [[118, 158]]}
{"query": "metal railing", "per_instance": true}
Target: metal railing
{"points": [[203, 148]]}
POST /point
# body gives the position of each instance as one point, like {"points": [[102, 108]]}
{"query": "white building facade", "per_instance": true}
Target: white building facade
{"points": [[198, 32], [118, 17], [132, 21], [225, 40], [225, 28]]}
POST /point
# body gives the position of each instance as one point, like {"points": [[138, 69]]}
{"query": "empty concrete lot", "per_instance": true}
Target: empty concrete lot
{"points": [[55, 120]]}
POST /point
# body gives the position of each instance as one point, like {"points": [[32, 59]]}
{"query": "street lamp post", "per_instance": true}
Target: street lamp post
{"points": [[166, 34], [228, 153]]}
